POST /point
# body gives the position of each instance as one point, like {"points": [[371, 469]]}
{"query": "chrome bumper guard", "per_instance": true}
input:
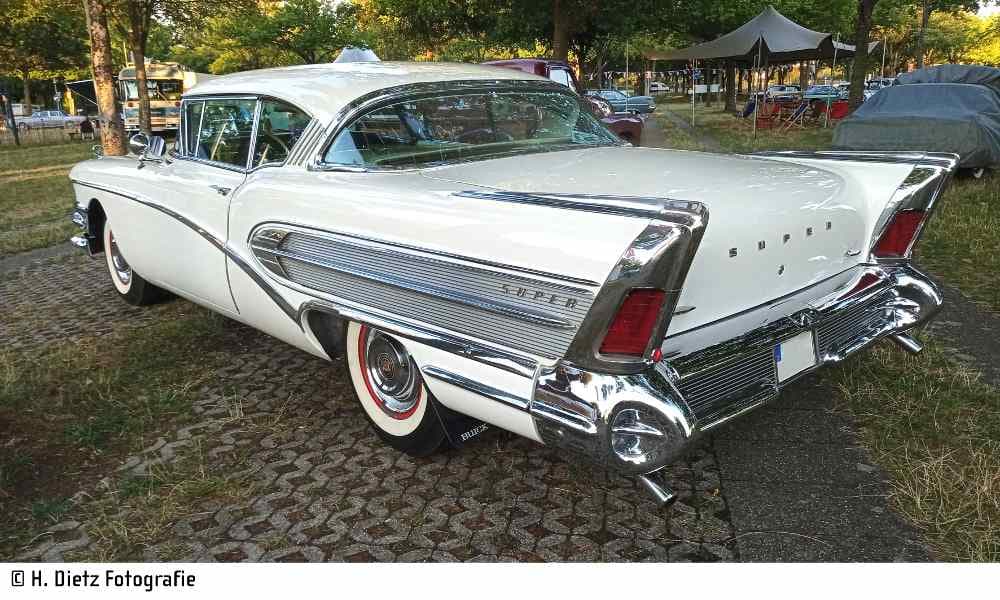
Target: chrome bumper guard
{"points": [[85, 239], [637, 424]]}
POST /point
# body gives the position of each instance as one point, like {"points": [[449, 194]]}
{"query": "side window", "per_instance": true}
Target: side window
{"points": [[279, 129], [192, 123], [226, 130], [561, 76]]}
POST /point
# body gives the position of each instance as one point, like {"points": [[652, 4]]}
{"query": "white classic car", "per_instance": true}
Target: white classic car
{"points": [[484, 253], [46, 119]]}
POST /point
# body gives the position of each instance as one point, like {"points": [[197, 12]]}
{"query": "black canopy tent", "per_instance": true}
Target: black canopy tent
{"points": [[769, 38]]}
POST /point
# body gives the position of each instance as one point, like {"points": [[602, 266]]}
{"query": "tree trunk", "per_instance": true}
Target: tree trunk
{"points": [[925, 18], [26, 88], [112, 132], [862, 32], [730, 87], [137, 34], [560, 31]]}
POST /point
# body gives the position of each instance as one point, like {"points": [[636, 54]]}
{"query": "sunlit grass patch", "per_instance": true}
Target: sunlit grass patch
{"points": [[961, 240], [935, 427]]}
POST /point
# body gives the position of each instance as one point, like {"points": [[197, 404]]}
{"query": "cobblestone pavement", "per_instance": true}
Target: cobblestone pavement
{"points": [[786, 483]]}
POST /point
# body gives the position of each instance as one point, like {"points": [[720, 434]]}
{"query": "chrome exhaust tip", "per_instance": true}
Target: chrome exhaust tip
{"points": [[663, 495], [907, 342]]}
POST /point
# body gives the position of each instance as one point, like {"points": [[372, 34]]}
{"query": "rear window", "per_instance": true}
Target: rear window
{"points": [[471, 126]]}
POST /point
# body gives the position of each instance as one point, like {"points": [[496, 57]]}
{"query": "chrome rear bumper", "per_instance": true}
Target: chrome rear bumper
{"points": [[637, 424]]}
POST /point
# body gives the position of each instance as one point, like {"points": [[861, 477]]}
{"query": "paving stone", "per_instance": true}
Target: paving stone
{"points": [[324, 488]]}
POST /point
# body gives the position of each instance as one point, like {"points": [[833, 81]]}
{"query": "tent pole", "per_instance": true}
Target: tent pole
{"points": [[881, 73], [753, 92], [833, 70], [694, 65]]}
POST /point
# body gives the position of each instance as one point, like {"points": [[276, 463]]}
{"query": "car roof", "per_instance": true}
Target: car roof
{"points": [[323, 90]]}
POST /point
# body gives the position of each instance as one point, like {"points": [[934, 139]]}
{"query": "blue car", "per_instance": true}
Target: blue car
{"points": [[622, 103]]}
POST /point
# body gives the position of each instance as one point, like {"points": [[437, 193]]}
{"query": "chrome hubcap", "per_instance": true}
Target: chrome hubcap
{"points": [[120, 267], [393, 375]]}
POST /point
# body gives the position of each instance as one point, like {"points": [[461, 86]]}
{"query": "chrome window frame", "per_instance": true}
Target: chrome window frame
{"points": [[246, 169], [372, 101]]}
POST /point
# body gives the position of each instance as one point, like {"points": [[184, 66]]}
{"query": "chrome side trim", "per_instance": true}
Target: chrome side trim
{"points": [[476, 387], [209, 237], [499, 358], [940, 159], [515, 269], [530, 315], [628, 206]]}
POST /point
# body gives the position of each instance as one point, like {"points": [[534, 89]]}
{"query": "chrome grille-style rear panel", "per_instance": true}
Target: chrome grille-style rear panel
{"points": [[711, 391], [529, 314], [723, 380], [844, 328]]}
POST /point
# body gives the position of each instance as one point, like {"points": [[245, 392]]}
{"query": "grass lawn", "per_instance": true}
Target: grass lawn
{"points": [[37, 197], [935, 428], [960, 243], [70, 412], [736, 135], [927, 420]]}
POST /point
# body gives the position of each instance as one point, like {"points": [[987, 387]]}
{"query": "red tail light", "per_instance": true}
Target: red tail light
{"points": [[899, 234], [629, 332]]}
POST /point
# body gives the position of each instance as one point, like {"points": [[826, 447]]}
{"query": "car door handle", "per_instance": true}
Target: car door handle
{"points": [[223, 191]]}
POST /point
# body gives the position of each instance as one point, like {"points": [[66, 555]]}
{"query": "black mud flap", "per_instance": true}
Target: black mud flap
{"points": [[460, 429]]}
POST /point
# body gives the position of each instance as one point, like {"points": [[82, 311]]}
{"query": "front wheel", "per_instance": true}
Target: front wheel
{"points": [[131, 287], [391, 391]]}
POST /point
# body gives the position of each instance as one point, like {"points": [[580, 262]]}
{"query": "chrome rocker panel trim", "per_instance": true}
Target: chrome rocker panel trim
{"points": [[638, 423]]}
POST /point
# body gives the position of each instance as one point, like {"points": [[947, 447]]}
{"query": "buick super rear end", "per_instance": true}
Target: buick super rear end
{"points": [[484, 253]]}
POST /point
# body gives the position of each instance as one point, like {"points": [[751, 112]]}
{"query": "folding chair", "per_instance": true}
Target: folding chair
{"points": [[797, 117], [748, 109], [768, 115]]}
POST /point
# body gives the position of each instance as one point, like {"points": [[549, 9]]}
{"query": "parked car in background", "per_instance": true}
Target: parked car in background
{"points": [[783, 92], [484, 253], [44, 119], [658, 87], [959, 116], [823, 93], [626, 127], [623, 103]]}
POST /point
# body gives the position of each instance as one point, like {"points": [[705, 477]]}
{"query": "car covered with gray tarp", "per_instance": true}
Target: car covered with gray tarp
{"points": [[949, 108]]}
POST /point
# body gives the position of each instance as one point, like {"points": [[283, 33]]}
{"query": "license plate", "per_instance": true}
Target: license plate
{"points": [[795, 355]]}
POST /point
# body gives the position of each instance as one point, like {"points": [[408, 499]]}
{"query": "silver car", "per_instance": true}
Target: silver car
{"points": [[44, 119]]}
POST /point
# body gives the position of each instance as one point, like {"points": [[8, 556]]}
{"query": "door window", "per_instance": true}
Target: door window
{"points": [[280, 127], [226, 131]]}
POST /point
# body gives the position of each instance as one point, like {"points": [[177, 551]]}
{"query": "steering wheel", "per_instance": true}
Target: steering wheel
{"points": [[483, 136]]}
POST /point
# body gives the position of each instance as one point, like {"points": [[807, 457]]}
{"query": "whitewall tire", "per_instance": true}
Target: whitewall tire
{"points": [[391, 390], [131, 287]]}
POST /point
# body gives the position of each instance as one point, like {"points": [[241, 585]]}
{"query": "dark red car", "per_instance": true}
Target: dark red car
{"points": [[627, 127]]}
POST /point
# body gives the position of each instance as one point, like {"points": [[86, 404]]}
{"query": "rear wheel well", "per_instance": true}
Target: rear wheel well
{"points": [[95, 225]]}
